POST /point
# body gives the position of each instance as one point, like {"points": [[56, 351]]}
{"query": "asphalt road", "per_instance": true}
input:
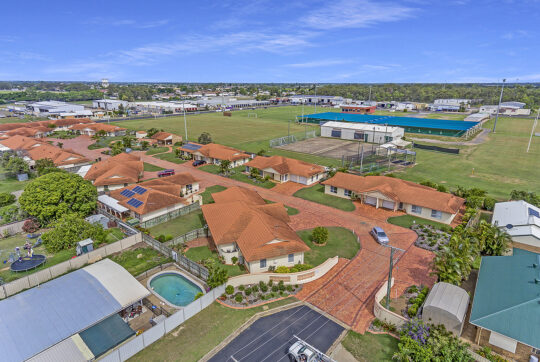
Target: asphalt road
{"points": [[269, 338]]}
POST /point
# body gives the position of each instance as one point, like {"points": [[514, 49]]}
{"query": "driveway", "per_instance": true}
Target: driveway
{"points": [[347, 291], [269, 338]]}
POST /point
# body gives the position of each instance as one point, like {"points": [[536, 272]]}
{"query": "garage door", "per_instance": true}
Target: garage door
{"points": [[388, 204], [371, 200], [294, 178]]}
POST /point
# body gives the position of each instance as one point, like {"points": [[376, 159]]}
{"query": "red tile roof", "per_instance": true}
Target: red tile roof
{"points": [[237, 193], [218, 151], [398, 190], [97, 127], [162, 136], [284, 165], [118, 170], [260, 230]]}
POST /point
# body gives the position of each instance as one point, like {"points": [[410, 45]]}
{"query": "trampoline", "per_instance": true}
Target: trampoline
{"points": [[27, 263]]}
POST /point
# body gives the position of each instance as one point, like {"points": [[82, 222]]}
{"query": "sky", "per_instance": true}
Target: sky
{"points": [[312, 41]]}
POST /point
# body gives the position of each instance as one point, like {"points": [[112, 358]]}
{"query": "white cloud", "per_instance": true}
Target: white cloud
{"points": [[102, 21], [7, 38], [355, 14], [516, 34], [319, 63]]}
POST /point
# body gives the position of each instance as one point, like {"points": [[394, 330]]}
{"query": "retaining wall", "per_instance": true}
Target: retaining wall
{"points": [[384, 314]]}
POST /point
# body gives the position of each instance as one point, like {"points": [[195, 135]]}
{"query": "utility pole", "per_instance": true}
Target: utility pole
{"points": [[499, 106], [389, 286], [185, 120], [532, 130], [370, 95]]}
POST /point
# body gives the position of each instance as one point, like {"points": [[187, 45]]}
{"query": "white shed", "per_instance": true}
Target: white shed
{"points": [[373, 133], [446, 304]]}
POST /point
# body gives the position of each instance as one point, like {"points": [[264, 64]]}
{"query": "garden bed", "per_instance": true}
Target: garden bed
{"points": [[255, 294], [430, 237], [238, 174]]}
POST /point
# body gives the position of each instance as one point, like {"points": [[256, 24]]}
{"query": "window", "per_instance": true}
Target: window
{"points": [[262, 263], [189, 188], [436, 214], [348, 193], [291, 258], [416, 209], [333, 189]]}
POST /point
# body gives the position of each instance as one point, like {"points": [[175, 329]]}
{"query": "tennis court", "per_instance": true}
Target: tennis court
{"points": [[269, 338]]}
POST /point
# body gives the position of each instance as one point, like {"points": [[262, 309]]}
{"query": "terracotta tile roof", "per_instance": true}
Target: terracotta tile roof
{"points": [[27, 131], [57, 122], [221, 152], [118, 170], [97, 127], [237, 193], [162, 136], [38, 150], [70, 121], [399, 191], [284, 165], [161, 193], [260, 230]]}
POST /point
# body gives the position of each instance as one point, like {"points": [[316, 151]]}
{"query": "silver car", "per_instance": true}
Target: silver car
{"points": [[379, 235]]}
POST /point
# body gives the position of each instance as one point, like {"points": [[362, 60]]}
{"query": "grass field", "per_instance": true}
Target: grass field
{"points": [[129, 260], [198, 335], [154, 151], [151, 168], [171, 157], [180, 225], [406, 221], [500, 164], [341, 242], [370, 347], [237, 174], [316, 194], [207, 194]]}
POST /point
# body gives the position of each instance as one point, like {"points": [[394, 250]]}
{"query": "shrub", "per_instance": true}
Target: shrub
{"points": [[412, 311], [216, 276], [242, 288], [275, 288], [300, 267], [264, 287], [272, 295], [229, 289], [238, 298], [6, 198], [161, 238], [281, 285], [281, 294], [30, 226], [255, 288], [296, 286], [377, 322], [319, 235], [198, 295], [247, 292], [261, 283], [271, 268], [270, 283], [168, 237], [234, 259], [282, 269], [489, 203], [289, 288]]}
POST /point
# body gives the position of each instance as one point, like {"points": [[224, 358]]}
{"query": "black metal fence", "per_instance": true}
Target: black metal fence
{"points": [[436, 148]]}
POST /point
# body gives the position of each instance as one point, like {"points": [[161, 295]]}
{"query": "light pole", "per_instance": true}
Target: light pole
{"points": [[316, 100], [185, 120], [498, 107], [532, 130]]}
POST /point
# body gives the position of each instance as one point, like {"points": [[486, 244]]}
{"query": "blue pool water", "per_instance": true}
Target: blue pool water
{"points": [[175, 288]]}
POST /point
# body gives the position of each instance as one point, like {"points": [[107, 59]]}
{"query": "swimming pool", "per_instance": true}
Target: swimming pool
{"points": [[174, 288]]}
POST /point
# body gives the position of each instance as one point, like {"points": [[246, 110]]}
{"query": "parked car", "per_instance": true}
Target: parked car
{"points": [[198, 163], [379, 235]]}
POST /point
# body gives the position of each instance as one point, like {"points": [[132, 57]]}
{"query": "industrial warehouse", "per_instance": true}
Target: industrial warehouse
{"points": [[441, 127]]}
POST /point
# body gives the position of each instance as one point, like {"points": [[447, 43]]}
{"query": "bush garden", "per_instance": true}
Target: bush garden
{"points": [[254, 294]]}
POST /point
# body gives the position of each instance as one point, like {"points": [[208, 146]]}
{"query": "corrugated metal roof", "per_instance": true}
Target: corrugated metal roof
{"points": [[67, 350], [112, 203], [507, 298], [450, 298], [41, 317], [360, 126], [443, 124]]}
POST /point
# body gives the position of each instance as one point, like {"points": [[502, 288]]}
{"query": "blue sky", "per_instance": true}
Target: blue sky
{"points": [[271, 41]]}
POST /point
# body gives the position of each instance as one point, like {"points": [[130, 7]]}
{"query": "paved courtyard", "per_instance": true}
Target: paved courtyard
{"points": [[269, 338]]}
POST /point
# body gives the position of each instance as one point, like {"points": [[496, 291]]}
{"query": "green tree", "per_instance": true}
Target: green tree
{"points": [[216, 276], [117, 148], [526, 196], [205, 138], [126, 141], [60, 145], [45, 165], [319, 235], [144, 145], [224, 167], [70, 229], [55, 194], [17, 165]]}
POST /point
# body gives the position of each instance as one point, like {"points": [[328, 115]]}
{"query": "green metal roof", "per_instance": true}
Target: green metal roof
{"points": [[507, 298], [106, 334]]}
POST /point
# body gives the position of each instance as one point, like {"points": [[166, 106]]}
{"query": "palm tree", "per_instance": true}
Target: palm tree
{"points": [[224, 166]]}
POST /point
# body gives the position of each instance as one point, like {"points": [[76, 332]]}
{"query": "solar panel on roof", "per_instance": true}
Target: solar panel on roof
{"points": [[534, 213], [127, 193], [134, 202], [191, 146], [140, 190]]}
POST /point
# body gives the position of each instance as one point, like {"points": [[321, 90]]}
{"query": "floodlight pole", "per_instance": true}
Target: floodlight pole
{"points": [[185, 120], [499, 106], [316, 100], [532, 130]]}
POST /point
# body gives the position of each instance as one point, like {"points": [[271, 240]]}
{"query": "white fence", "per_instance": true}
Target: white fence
{"points": [[42, 276], [140, 342]]}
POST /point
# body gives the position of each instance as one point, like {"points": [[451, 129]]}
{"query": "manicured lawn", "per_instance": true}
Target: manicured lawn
{"points": [[156, 150], [316, 194], [150, 258], [171, 157], [114, 234], [179, 225], [12, 184], [202, 252], [407, 221], [151, 168], [199, 334], [370, 347], [237, 174], [500, 164], [341, 242], [290, 210], [104, 142], [207, 194]]}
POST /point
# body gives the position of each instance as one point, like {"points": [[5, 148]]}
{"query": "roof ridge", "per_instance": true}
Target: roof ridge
{"points": [[507, 309]]}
